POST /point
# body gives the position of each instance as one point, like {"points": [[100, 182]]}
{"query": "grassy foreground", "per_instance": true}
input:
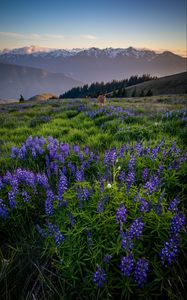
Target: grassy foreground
{"points": [[93, 200]]}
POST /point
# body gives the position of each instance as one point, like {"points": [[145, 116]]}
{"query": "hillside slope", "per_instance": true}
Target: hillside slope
{"points": [[173, 84], [16, 80]]}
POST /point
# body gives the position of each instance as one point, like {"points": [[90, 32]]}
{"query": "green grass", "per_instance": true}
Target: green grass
{"points": [[33, 267]]}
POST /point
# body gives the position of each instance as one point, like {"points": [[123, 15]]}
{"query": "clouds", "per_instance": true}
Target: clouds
{"points": [[31, 36], [88, 37], [36, 36]]}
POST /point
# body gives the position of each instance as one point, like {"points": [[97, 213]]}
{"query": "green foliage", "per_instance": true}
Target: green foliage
{"points": [[115, 88]]}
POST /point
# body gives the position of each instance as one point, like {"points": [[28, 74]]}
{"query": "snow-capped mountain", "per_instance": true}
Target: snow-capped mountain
{"points": [[37, 51], [94, 64]]}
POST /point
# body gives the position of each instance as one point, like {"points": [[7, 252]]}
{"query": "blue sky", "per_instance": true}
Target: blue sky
{"points": [[157, 24]]}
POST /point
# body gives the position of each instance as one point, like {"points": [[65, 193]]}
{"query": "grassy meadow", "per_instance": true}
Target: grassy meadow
{"points": [[93, 199]]}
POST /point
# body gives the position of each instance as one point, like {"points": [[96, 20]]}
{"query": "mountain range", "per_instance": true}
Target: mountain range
{"points": [[80, 66]]}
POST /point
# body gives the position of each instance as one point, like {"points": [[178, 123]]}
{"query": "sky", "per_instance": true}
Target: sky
{"points": [[153, 24]]}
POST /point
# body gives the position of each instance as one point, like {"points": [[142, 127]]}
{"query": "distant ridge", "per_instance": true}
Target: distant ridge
{"points": [[28, 81]]}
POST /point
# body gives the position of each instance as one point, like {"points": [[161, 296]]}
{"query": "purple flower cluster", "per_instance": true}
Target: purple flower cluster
{"points": [[136, 229], [177, 223], [152, 184], [173, 204], [130, 179], [34, 146], [79, 176], [145, 174], [82, 195], [127, 265], [121, 214], [49, 209], [99, 277], [126, 241], [144, 206], [3, 210], [140, 272], [55, 233], [110, 157], [25, 196], [169, 252], [62, 187]]}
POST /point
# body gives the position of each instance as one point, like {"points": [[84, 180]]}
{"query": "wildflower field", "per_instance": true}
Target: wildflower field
{"points": [[93, 199]]}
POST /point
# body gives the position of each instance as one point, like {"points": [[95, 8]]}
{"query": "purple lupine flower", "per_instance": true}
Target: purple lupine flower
{"points": [[127, 265], [101, 184], [91, 158], [65, 149], [14, 183], [54, 167], [86, 150], [71, 219], [85, 194], [81, 156], [79, 175], [12, 199], [173, 204], [54, 232], [61, 158], [110, 157], [144, 205], [27, 177], [49, 209], [130, 179], [177, 223], [154, 153], [107, 258], [15, 152], [100, 206], [42, 180], [139, 149], [140, 272], [47, 160], [121, 214], [169, 252], [121, 176], [136, 229], [99, 277], [25, 196], [33, 153], [145, 174], [83, 166], [152, 184], [76, 149], [122, 151], [62, 186], [7, 178], [71, 167], [82, 195], [3, 210], [126, 241], [131, 163], [59, 238], [22, 152]]}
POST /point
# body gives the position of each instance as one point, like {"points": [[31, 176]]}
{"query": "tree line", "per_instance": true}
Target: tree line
{"points": [[115, 88]]}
